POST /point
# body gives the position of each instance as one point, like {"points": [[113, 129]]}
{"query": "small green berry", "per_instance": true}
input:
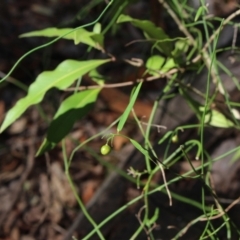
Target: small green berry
{"points": [[105, 149], [175, 139]]}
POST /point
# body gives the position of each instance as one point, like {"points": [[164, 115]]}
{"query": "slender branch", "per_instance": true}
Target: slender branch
{"points": [[165, 184], [213, 36], [124, 84], [181, 27], [221, 211], [204, 54]]}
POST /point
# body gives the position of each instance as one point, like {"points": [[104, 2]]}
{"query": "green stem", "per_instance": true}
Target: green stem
{"points": [[80, 203], [160, 188]]}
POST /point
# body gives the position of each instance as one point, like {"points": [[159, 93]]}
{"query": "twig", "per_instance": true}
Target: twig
{"points": [[124, 84], [139, 40], [182, 28], [204, 54], [159, 127], [137, 62], [235, 202], [235, 34], [183, 231], [165, 183], [213, 36], [138, 216]]}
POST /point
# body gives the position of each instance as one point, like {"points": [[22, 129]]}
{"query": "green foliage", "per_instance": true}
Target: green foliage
{"points": [[72, 109], [154, 218], [154, 64], [62, 77], [139, 147], [151, 32], [217, 119], [94, 39], [128, 109], [171, 58]]}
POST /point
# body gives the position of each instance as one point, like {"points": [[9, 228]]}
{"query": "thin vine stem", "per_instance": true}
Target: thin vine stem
{"points": [[80, 203], [55, 40]]}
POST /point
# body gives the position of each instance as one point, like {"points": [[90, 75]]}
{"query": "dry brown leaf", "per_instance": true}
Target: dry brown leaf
{"points": [[34, 215], [60, 186], [105, 117], [55, 211], [117, 101], [18, 126], [61, 192], [119, 141], [89, 188], [44, 189]]}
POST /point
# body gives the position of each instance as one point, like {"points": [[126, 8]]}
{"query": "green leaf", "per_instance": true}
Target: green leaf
{"points": [[62, 77], [79, 36], [72, 109], [153, 219], [51, 32], [97, 28], [128, 109], [216, 119], [151, 32], [180, 51], [90, 38], [181, 46], [139, 147], [154, 64], [170, 63], [202, 10]]}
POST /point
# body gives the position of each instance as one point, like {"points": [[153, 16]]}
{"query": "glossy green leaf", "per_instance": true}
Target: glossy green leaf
{"points": [[151, 32], [90, 38], [180, 51], [181, 46], [216, 119], [139, 147], [78, 36], [157, 64], [97, 28], [51, 32], [154, 64], [202, 10], [170, 63], [72, 109], [62, 77], [128, 109]]}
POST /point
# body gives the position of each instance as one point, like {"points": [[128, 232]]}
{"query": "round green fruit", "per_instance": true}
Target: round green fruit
{"points": [[175, 139], [105, 149]]}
